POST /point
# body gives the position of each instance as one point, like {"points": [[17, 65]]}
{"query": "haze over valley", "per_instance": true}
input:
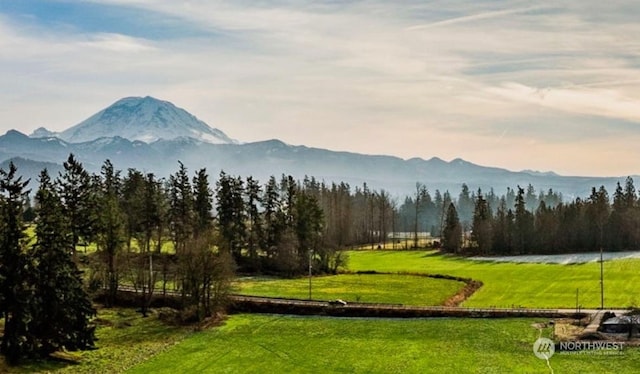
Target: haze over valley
{"points": [[153, 135]]}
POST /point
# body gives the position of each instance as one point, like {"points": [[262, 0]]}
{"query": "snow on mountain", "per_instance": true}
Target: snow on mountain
{"points": [[143, 119], [42, 132]]}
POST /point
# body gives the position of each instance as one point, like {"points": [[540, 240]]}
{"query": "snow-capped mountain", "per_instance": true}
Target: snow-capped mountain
{"points": [[143, 119]]}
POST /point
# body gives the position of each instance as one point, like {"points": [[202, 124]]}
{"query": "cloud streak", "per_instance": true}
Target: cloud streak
{"points": [[475, 17]]}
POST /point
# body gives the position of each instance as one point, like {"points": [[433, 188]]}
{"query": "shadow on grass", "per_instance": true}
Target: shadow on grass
{"points": [[124, 338]]}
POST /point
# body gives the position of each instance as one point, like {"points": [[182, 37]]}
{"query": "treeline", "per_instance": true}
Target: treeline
{"points": [[426, 212], [585, 224]]}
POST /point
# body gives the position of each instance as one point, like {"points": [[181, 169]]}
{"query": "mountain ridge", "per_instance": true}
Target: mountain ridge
{"points": [[273, 157], [263, 159]]}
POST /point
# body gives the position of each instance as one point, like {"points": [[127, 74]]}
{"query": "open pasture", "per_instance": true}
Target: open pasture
{"points": [[293, 344], [518, 284], [366, 288]]}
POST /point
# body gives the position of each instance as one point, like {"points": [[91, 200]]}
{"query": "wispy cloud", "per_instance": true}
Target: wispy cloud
{"points": [[577, 100], [410, 78], [474, 17]]}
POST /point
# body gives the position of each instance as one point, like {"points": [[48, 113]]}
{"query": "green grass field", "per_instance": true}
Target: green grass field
{"points": [[124, 339], [288, 344], [507, 284], [367, 288], [268, 343]]}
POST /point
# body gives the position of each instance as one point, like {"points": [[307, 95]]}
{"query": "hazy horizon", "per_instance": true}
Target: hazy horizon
{"points": [[549, 87]]}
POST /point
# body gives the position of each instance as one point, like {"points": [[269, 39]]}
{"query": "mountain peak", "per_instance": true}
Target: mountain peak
{"points": [[15, 134], [42, 132], [144, 119]]}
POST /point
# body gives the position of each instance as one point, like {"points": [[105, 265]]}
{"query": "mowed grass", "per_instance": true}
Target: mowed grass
{"points": [[511, 284], [290, 344], [366, 288], [125, 338]]}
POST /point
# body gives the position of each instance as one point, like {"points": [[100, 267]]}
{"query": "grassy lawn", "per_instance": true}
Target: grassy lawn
{"points": [[269, 343], [288, 344], [507, 284], [125, 339], [369, 288]]}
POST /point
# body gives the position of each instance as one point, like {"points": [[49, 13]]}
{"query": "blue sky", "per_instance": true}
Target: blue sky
{"points": [[543, 85]]}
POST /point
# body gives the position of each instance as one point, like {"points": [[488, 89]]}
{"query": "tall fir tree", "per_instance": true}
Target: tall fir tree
{"points": [[181, 209], [481, 227], [64, 310], [253, 198], [203, 202], [111, 236], [272, 217], [16, 293], [523, 234], [452, 231], [230, 207], [78, 197]]}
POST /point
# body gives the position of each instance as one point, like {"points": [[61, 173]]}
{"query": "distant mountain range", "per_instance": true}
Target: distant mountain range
{"points": [[153, 135]]}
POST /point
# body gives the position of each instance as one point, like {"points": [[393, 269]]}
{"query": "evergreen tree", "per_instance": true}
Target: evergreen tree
{"points": [[465, 207], [308, 228], [254, 221], [63, 307], [530, 198], [133, 205], [452, 232], [501, 229], [482, 233], [597, 212], [231, 214], [203, 204], [181, 209], [523, 234], [78, 199], [16, 295], [273, 218], [419, 196], [111, 236]]}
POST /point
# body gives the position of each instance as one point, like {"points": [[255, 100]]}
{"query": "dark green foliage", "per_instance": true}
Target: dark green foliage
{"points": [[44, 305], [308, 227], [231, 214], [110, 225], [254, 221], [524, 233], [134, 204], [273, 218], [16, 290], [465, 207], [79, 201], [203, 203], [481, 228], [62, 309], [181, 208], [452, 231], [501, 242]]}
